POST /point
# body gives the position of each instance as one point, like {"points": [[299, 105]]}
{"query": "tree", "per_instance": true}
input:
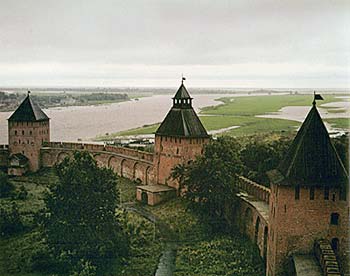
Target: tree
{"points": [[259, 157], [10, 221], [209, 180], [6, 187], [81, 221]]}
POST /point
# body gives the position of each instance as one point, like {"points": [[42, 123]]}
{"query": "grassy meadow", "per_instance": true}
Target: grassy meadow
{"points": [[241, 111]]}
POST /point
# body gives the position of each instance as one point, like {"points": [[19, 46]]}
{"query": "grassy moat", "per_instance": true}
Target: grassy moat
{"points": [[199, 252]]}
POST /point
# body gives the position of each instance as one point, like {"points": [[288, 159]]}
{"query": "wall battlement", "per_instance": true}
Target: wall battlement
{"points": [[259, 191], [142, 155]]}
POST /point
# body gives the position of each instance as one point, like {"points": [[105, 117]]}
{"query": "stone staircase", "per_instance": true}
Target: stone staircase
{"points": [[327, 258]]}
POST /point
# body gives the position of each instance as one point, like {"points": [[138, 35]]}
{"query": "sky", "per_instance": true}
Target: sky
{"points": [[233, 43]]}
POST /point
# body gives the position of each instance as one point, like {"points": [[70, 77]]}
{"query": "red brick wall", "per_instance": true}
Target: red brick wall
{"points": [[296, 224], [171, 151], [27, 138]]}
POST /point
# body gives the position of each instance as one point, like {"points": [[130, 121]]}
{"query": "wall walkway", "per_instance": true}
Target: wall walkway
{"points": [[133, 164]]}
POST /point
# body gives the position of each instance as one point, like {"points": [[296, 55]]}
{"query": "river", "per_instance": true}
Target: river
{"points": [[86, 122]]}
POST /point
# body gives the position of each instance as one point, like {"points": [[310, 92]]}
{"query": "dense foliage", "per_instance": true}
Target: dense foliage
{"points": [[6, 187], [259, 156], [81, 224], [10, 221], [222, 255], [209, 179]]}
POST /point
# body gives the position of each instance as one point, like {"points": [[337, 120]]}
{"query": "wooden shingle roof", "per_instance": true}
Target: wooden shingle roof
{"points": [[28, 111], [182, 120], [312, 158]]}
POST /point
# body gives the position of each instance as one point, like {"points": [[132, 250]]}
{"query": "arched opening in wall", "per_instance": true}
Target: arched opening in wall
{"points": [[248, 219], [147, 177], [134, 170], [257, 226], [122, 168], [112, 163], [335, 245], [266, 231], [144, 198], [97, 158], [61, 156]]}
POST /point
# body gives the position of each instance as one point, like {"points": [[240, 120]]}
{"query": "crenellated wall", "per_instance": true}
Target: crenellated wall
{"points": [[133, 164], [251, 213]]}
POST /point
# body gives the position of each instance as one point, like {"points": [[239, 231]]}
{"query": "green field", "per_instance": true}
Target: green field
{"points": [[241, 111]]}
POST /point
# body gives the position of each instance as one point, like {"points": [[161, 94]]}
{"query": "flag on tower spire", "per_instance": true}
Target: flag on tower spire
{"points": [[317, 97]]}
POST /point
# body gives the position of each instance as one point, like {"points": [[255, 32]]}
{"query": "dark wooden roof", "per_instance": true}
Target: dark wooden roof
{"points": [[312, 159], [182, 93], [28, 111], [182, 120]]}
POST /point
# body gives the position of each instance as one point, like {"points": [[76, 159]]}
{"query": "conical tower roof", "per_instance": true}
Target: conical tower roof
{"points": [[182, 120], [312, 159], [28, 111], [182, 93]]}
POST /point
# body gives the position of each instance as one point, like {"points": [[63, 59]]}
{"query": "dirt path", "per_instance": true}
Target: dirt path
{"points": [[166, 264]]}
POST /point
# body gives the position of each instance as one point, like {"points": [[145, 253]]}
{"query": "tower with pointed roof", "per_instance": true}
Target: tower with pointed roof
{"points": [[179, 139], [309, 197], [28, 129]]}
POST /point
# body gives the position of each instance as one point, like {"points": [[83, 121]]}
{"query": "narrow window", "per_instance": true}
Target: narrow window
{"points": [[22, 132], [285, 208], [334, 218], [180, 140], [326, 193], [297, 192], [177, 151], [30, 132], [175, 140], [15, 132], [312, 193]]}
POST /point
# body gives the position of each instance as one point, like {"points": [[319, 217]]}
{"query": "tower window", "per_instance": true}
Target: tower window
{"points": [[30, 132], [297, 192], [326, 193], [15, 132], [334, 218], [22, 132], [312, 193], [177, 151]]}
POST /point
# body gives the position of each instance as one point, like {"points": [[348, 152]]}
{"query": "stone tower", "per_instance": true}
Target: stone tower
{"points": [[28, 128], [179, 138], [309, 198]]}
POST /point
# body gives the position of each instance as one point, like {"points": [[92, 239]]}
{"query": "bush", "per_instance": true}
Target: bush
{"points": [[84, 268], [10, 221], [22, 194], [6, 187]]}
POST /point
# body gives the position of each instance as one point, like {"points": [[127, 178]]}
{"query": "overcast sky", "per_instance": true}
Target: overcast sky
{"points": [[235, 43]]}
